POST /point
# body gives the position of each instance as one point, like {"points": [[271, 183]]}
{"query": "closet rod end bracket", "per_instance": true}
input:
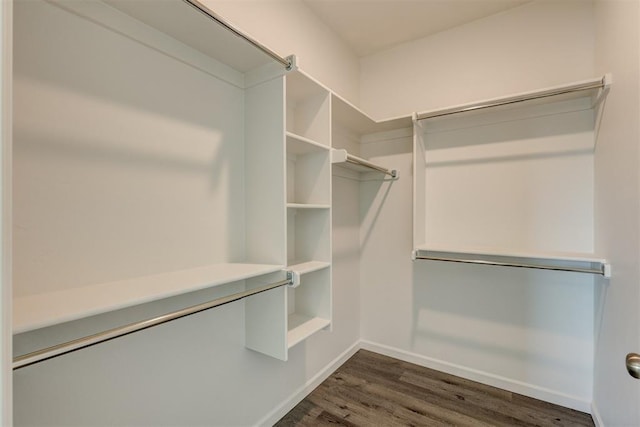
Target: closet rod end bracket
{"points": [[292, 61], [606, 270], [294, 278]]}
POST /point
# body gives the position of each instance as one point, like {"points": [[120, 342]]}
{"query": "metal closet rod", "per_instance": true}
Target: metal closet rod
{"points": [[212, 15], [515, 99], [358, 161], [600, 270], [100, 337]]}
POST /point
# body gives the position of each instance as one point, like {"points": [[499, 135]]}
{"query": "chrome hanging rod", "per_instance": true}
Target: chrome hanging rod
{"points": [[514, 99], [358, 161], [287, 62], [91, 340], [601, 270]]}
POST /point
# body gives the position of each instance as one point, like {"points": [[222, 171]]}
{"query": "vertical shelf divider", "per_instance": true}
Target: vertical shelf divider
{"points": [[308, 189]]}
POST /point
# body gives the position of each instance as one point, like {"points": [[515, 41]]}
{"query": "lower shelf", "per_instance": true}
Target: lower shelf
{"points": [[41, 310], [558, 261], [301, 327], [308, 266]]}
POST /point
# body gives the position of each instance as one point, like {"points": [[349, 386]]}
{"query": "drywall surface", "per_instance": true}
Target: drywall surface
{"points": [[616, 394], [290, 27], [536, 45], [6, 65], [518, 329], [515, 328], [98, 170]]}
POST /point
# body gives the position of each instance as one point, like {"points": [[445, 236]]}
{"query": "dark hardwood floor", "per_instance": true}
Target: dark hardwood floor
{"points": [[375, 390]]}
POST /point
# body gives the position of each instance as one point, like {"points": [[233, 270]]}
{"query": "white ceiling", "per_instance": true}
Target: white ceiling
{"points": [[369, 26]]}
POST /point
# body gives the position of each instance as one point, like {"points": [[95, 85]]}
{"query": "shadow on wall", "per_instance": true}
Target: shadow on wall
{"points": [[516, 323], [113, 157], [376, 189]]}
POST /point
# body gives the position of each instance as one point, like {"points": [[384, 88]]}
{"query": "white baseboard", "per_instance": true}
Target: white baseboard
{"points": [[514, 386], [597, 419], [279, 412]]}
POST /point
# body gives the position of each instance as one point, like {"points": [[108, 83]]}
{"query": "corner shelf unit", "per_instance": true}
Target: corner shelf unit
{"points": [[349, 126], [307, 306], [499, 156], [308, 174]]}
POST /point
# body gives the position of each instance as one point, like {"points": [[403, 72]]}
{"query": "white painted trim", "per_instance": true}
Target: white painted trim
{"points": [[6, 114], [272, 417], [541, 393], [595, 414]]}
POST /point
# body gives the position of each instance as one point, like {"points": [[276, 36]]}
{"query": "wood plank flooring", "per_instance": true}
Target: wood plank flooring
{"points": [[375, 390]]}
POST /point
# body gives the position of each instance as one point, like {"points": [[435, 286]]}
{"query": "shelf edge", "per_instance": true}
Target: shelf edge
{"points": [[47, 305], [548, 261]]}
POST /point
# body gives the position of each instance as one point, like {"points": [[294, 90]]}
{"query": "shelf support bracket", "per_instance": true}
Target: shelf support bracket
{"points": [[294, 278]]}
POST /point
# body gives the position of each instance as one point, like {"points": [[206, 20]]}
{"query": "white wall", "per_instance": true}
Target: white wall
{"points": [[518, 329], [290, 27], [194, 371], [616, 394], [89, 191], [536, 45], [6, 65]]}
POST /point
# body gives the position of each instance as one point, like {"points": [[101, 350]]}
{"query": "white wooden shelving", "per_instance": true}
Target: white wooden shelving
{"points": [[558, 261], [589, 93], [349, 126], [236, 147], [308, 266], [497, 157], [302, 310], [309, 203], [297, 144], [166, 200], [347, 116], [308, 166], [342, 158], [51, 308], [309, 306], [301, 327], [307, 206]]}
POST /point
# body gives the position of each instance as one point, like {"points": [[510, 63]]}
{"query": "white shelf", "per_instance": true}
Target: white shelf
{"points": [[307, 206], [344, 159], [47, 309], [350, 117], [590, 90], [308, 267], [491, 256], [297, 144], [301, 327], [193, 28]]}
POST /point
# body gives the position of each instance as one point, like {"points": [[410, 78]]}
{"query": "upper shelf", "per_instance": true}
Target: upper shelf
{"points": [[358, 164], [558, 261], [591, 91], [193, 24], [351, 117], [297, 144], [38, 311]]}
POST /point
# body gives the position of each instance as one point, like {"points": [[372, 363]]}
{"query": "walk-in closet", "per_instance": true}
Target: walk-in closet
{"points": [[256, 213]]}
